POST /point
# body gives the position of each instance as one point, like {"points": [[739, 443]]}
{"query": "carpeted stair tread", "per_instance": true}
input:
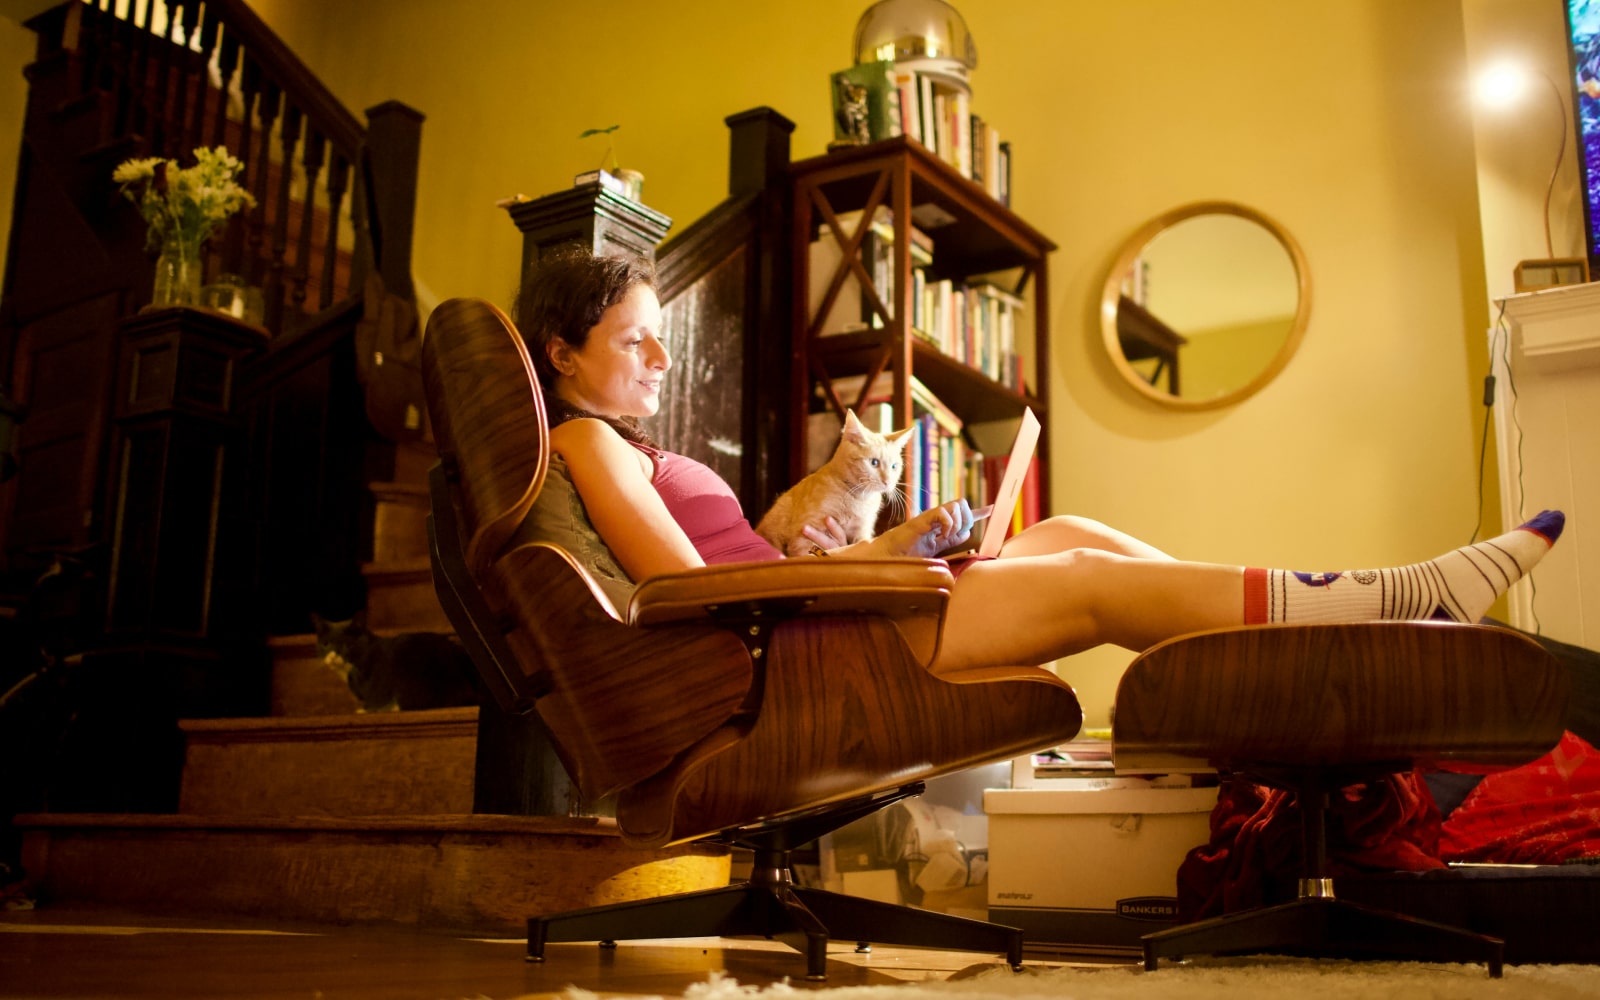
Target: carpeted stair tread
{"points": [[382, 763], [460, 872]]}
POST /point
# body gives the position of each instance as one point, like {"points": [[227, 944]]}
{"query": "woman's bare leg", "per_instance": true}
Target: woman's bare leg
{"points": [[1029, 609], [1058, 534], [1032, 608]]}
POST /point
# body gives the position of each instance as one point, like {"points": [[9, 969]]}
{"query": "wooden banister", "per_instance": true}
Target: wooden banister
{"points": [[163, 98], [733, 264], [281, 65]]}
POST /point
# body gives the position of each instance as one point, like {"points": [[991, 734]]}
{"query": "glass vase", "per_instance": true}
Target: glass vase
{"points": [[177, 273]]}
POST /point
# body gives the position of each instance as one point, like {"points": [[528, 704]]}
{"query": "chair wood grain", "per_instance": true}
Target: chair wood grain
{"points": [[913, 593], [1339, 695], [623, 701], [847, 709], [475, 364], [733, 696]]}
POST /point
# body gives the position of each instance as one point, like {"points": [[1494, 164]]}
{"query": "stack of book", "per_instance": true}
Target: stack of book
{"points": [[878, 100], [853, 308], [973, 322]]}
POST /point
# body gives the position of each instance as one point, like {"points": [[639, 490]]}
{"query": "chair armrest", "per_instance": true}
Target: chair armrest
{"points": [[913, 593]]}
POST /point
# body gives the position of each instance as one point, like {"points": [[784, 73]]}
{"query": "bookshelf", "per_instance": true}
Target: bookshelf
{"points": [[972, 234]]}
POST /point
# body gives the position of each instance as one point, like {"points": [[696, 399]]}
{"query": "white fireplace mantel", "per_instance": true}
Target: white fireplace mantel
{"points": [[1557, 329], [1547, 427]]}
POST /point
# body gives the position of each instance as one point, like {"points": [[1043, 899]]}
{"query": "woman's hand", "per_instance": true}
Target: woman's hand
{"points": [[829, 536], [931, 532]]}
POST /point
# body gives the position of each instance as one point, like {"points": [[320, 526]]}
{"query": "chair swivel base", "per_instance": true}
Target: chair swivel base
{"points": [[1326, 927], [803, 918]]}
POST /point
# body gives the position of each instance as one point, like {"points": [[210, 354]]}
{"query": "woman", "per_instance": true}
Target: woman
{"points": [[593, 329]]}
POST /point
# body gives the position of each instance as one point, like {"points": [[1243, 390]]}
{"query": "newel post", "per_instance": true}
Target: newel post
{"points": [[394, 144], [758, 167]]}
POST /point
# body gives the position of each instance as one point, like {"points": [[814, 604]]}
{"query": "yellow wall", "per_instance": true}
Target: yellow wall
{"points": [[1517, 146], [16, 51], [1345, 121]]}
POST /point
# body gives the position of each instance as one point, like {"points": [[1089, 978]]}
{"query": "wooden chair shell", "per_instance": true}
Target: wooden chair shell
{"points": [[731, 696]]}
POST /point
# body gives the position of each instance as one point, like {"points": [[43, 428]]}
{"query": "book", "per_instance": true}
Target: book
{"points": [[866, 103], [909, 90], [883, 224], [606, 179], [961, 131], [925, 104], [1003, 174]]}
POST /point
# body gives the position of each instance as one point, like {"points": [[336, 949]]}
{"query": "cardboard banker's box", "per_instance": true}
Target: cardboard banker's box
{"points": [[1091, 868]]}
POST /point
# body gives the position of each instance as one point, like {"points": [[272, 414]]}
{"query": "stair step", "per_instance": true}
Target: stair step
{"points": [[380, 764], [302, 684], [485, 874], [400, 522], [400, 596]]}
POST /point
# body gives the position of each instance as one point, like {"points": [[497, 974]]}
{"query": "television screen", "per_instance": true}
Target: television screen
{"points": [[1583, 32]]}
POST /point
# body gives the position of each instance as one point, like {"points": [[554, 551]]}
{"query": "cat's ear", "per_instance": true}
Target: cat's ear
{"points": [[853, 430], [900, 438]]}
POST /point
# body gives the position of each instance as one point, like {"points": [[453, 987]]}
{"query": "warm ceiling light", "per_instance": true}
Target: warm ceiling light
{"points": [[1501, 85]]}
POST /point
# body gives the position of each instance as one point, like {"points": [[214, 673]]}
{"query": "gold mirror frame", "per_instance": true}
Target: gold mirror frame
{"points": [[1136, 245]]}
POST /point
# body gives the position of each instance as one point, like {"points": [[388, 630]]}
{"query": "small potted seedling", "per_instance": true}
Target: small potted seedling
{"points": [[628, 183]]}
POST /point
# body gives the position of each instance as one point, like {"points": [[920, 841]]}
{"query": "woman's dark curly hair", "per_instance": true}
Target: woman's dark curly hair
{"points": [[564, 296]]}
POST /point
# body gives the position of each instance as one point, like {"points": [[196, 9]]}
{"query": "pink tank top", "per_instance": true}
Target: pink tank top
{"points": [[707, 510]]}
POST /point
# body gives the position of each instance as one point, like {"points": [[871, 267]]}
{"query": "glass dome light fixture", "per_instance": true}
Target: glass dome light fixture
{"points": [[929, 36]]}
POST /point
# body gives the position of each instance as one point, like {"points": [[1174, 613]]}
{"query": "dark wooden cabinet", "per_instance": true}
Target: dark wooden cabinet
{"points": [[972, 235]]}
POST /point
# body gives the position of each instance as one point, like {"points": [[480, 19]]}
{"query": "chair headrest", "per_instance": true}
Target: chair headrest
{"points": [[488, 419]]}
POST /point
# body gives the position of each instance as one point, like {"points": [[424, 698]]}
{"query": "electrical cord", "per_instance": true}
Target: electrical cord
{"points": [[1488, 411], [1500, 342]]}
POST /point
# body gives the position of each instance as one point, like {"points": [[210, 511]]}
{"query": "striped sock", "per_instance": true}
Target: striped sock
{"points": [[1457, 586]]}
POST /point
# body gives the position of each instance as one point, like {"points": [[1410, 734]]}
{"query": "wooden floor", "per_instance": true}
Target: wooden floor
{"points": [[51, 953]]}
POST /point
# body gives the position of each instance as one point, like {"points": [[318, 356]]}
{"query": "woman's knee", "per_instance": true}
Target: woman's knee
{"points": [[1073, 531]]}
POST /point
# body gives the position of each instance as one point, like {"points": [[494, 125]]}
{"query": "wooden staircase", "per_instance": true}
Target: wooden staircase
{"points": [[320, 813], [345, 819], [315, 812]]}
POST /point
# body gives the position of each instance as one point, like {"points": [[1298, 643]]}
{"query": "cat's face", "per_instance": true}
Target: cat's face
{"points": [[870, 459]]}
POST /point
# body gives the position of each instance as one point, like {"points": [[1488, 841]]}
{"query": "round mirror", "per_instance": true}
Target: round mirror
{"points": [[1205, 304]]}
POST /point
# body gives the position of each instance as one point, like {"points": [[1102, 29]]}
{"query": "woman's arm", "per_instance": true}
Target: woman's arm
{"points": [[935, 530], [610, 476]]}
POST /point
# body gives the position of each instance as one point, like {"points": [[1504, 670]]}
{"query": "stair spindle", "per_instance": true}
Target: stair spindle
{"points": [[227, 66], [91, 50], [239, 226], [183, 61], [116, 79], [207, 24], [160, 133], [338, 178], [311, 158], [138, 79], [276, 286], [259, 184]]}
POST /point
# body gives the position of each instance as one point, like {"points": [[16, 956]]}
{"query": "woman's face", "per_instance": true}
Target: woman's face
{"points": [[618, 371]]}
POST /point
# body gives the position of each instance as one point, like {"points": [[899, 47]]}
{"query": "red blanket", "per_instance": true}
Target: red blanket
{"points": [[1386, 825], [1544, 813]]}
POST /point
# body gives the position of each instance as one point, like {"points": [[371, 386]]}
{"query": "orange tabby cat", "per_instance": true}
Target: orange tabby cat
{"points": [[851, 488]]}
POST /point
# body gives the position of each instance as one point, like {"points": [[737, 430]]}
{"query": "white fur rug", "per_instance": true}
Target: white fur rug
{"points": [[1210, 979]]}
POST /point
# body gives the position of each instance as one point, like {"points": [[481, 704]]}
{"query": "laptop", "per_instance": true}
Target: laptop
{"points": [[1005, 497]]}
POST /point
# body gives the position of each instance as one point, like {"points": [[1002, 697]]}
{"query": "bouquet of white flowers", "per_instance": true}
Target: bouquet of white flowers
{"points": [[184, 204]]}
